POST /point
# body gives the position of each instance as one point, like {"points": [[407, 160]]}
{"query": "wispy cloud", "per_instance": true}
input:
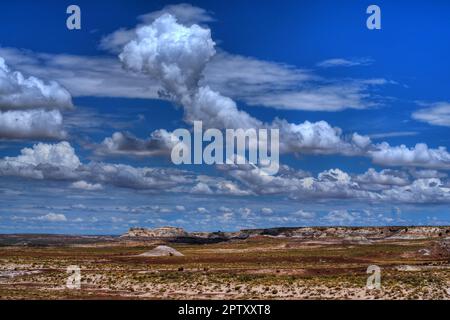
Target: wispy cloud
{"points": [[340, 62], [251, 80], [437, 114], [393, 134]]}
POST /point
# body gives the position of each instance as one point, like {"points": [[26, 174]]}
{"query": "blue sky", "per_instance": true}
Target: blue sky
{"points": [[82, 146]]}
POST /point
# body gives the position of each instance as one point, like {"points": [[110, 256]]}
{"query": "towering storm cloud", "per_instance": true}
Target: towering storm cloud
{"points": [[174, 54], [177, 55]]}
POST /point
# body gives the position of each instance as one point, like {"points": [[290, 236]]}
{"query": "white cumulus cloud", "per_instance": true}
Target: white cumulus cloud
{"points": [[31, 124], [20, 92], [83, 185], [160, 142], [418, 156], [53, 217]]}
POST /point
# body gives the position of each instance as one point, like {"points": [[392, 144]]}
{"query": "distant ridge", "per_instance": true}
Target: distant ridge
{"points": [[162, 232], [359, 234]]}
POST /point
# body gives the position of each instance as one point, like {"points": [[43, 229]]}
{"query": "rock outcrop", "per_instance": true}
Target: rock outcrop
{"points": [[349, 234], [161, 251], [163, 232]]}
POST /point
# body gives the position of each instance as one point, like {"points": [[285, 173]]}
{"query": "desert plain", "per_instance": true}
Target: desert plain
{"points": [[277, 263]]}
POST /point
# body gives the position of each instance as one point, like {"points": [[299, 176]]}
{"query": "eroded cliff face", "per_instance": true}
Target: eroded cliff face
{"points": [[359, 234], [163, 232]]}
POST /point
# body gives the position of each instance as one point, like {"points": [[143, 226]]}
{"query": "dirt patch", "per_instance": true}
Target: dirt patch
{"points": [[162, 251]]}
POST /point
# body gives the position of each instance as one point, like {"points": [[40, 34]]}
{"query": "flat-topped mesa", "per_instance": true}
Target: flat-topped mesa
{"points": [[162, 232]]}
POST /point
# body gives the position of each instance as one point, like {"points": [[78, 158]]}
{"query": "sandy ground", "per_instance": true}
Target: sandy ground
{"points": [[257, 268]]}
